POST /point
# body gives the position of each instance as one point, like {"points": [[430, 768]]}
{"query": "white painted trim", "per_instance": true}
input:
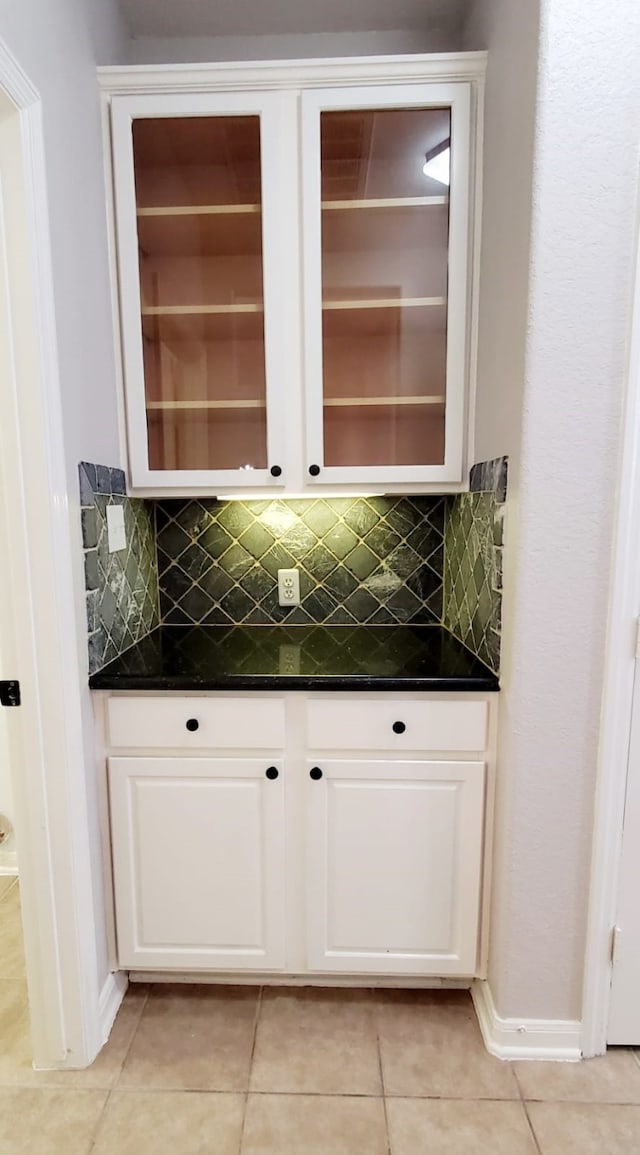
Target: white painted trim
{"points": [[51, 806], [111, 997], [620, 667], [555, 1039], [8, 863], [264, 74]]}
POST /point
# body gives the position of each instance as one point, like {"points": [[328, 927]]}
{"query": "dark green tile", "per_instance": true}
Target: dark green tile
{"points": [[277, 558], [196, 604], [89, 528], [236, 561], [320, 518], [193, 518], [173, 540], [319, 604], [425, 539], [404, 605], [175, 583], [215, 541], [404, 561], [91, 571], [361, 605], [340, 583], [382, 539], [361, 561], [235, 517], [257, 540], [257, 582], [340, 540], [237, 604], [361, 517], [319, 562]]}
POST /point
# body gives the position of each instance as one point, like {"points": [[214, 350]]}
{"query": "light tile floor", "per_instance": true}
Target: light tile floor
{"points": [[208, 1070]]}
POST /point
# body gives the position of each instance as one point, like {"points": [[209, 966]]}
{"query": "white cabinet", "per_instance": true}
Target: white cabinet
{"points": [[296, 288], [394, 866], [198, 862], [332, 854]]}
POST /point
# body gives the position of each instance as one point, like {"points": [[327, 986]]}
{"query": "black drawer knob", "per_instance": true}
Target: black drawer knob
{"points": [[272, 773], [315, 773], [275, 470], [314, 470], [398, 727], [193, 724]]}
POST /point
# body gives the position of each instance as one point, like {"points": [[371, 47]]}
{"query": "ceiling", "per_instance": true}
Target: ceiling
{"points": [[189, 18]]}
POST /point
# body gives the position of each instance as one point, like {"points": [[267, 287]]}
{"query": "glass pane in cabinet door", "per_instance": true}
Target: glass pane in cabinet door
{"points": [[385, 233], [198, 200]]}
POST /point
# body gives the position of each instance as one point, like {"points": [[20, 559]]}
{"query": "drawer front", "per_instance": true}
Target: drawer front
{"points": [[409, 725], [196, 723]]}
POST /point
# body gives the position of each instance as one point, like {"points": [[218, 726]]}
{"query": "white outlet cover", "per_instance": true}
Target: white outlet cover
{"points": [[116, 533], [288, 587]]}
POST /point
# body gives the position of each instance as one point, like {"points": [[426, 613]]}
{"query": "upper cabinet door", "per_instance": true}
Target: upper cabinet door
{"points": [[386, 202], [199, 222]]}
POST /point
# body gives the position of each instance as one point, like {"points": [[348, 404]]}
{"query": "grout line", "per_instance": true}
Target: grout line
{"points": [[99, 1122], [384, 1096], [531, 1128], [253, 1051], [134, 1032]]}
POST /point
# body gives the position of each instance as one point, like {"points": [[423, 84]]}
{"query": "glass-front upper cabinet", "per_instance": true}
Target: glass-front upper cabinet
{"points": [[197, 210], [385, 211]]}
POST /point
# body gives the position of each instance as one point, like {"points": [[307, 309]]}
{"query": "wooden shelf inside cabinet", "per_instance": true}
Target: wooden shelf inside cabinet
{"points": [[354, 317], [383, 203], [381, 402], [415, 225], [203, 322], [173, 406], [200, 230]]}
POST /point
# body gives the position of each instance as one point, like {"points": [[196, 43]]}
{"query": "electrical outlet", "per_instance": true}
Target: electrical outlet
{"points": [[289, 659], [116, 534], [288, 587]]}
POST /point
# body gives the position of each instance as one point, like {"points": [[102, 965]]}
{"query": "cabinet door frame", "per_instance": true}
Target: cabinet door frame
{"points": [[471, 777], [276, 258], [458, 98], [123, 773]]}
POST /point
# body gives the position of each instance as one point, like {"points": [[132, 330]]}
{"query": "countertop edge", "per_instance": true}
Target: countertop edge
{"points": [[298, 682]]}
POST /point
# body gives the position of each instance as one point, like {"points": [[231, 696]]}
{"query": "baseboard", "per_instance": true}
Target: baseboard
{"points": [[111, 996], [554, 1039]]}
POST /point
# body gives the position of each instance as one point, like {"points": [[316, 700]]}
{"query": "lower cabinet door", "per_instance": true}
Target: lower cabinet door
{"points": [[394, 866], [198, 861]]}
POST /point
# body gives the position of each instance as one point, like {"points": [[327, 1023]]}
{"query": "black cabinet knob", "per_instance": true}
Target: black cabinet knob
{"points": [[314, 470], [275, 470], [193, 724], [315, 773], [398, 727], [272, 773]]}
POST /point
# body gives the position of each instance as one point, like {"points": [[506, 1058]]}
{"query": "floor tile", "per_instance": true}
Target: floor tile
{"points": [[452, 1127], [170, 1123], [585, 1128], [196, 1038], [6, 882], [11, 940], [36, 1121], [316, 1041], [610, 1078], [430, 1045], [314, 1125]]}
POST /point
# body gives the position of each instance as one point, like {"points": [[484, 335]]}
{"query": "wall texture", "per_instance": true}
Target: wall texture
{"points": [[554, 387]]}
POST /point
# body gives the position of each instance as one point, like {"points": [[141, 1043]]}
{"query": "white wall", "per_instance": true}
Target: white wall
{"points": [[557, 352], [6, 794], [312, 45], [52, 41]]}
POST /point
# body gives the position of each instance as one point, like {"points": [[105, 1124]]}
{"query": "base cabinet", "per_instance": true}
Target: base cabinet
{"points": [[394, 866], [198, 863], [307, 850]]}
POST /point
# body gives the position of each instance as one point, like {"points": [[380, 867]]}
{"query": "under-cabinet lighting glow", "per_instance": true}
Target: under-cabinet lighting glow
{"points": [[437, 164]]}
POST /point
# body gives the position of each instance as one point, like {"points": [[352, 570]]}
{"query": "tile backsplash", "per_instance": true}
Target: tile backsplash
{"points": [[381, 560], [122, 587], [375, 559], [474, 529]]}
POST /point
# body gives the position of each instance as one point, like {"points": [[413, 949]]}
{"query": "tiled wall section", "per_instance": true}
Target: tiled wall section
{"points": [[376, 559], [474, 528], [121, 587]]}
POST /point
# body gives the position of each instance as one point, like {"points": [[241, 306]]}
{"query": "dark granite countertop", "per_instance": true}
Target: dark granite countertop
{"points": [[296, 658]]}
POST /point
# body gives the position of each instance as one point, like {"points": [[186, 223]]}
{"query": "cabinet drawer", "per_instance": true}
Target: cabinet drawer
{"points": [[369, 725], [196, 723]]}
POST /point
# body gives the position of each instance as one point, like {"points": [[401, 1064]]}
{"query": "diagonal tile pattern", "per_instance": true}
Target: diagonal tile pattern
{"points": [[121, 587], [375, 559], [301, 1071]]}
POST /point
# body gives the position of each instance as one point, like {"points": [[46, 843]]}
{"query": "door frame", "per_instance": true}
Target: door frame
{"points": [[51, 806], [623, 637]]}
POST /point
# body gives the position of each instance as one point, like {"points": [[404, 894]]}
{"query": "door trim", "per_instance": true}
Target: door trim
{"points": [[617, 702], [59, 916]]}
